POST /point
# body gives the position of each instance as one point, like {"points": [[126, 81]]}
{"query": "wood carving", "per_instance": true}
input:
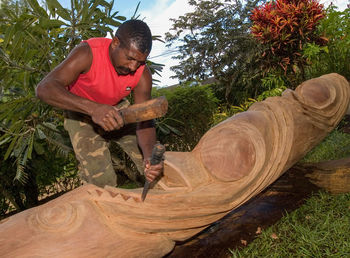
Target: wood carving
{"points": [[233, 162]]}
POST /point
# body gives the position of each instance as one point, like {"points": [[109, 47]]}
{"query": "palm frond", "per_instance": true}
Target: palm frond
{"points": [[21, 175]]}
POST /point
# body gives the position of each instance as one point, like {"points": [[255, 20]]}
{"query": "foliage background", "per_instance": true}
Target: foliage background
{"points": [[189, 116]]}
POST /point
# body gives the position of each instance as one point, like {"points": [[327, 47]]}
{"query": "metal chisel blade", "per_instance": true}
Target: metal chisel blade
{"points": [[144, 191]]}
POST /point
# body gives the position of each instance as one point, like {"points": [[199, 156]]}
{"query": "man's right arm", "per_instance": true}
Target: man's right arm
{"points": [[53, 90]]}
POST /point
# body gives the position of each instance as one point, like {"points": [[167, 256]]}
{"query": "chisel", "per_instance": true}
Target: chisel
{"points": [[156, 158]]}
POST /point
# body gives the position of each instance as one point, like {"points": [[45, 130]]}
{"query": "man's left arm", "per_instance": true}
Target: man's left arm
{"points": [[145, 131]]}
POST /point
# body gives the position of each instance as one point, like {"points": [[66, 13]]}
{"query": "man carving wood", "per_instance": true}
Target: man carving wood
{"points": [[233, 162], [89, 83]]}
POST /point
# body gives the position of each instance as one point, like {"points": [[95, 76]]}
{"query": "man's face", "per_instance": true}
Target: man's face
{"points": [[126, 60]]}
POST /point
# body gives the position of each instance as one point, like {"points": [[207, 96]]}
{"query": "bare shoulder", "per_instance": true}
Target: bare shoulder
{"points": [[77, 62], [80, 57], [82, 49], [146, 79], [142, 91], [147, 72]]}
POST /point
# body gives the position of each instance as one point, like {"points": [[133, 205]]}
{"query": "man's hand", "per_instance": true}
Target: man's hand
{"points": [[153, 171], [108, 117]]}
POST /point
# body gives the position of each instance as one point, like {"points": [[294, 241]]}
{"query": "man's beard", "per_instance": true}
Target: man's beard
{"points": [[124, 70]]}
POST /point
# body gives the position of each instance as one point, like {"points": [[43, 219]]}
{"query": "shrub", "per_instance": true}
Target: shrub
{"points": [[335, 56], [283, 27], [189, 115]]}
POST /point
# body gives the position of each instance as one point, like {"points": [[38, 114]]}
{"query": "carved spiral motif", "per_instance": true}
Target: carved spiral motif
{"points": [[58, 218], [232, 153]]}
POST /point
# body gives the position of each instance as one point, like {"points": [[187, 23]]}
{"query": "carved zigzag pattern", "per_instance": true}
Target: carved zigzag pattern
{"points": [[112, 196]]}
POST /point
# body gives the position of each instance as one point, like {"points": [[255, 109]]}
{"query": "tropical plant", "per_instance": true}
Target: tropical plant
{"points": [[214, 41], [223, 111], [335, 56], [283, 27]]}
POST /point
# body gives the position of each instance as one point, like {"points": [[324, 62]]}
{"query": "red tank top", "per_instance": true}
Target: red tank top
{"points": [[102, 83]]}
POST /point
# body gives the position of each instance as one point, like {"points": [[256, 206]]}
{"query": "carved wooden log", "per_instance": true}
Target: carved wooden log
{"points": [[289, 192], [233, 162]]}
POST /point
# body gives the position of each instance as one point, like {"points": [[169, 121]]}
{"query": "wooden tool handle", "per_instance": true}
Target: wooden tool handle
{"points": [[148, 110], [157, 153]]}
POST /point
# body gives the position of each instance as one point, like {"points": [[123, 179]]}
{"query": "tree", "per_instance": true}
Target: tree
{"points": [[215, 41], [283, 27]]}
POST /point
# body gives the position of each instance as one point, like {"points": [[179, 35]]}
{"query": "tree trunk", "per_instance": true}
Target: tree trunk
{"points": [[285, 195]]}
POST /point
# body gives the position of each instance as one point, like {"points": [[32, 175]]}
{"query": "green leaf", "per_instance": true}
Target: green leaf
{"points": [[37, 8], [30, 146], [8, 35], [11, 147], [49, 24], [41, 135], [5, 140], [59, 9], [17, 40], [325, 49], [121, 18], [21, 176], [85, 12], [51, 127], [20, 146], [39, 149], [174, 130], [136, 10], [164, 129], [112, 22]]}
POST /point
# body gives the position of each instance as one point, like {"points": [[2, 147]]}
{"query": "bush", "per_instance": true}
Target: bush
{"points": [[283, 27], [223, 112], [189, 115], [335, 56]]}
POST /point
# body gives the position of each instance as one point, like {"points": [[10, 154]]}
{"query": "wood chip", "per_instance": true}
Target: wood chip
{"points": [[274, 236]]}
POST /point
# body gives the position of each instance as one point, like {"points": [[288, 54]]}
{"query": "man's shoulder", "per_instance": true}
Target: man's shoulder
{"points": [[98, 42]]}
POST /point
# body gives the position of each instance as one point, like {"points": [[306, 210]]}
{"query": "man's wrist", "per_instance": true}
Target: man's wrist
{"points": [[145, 161], [91, 107]]}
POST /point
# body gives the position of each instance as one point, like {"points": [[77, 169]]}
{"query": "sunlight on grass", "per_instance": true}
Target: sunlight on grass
{"points": [[320, 228], [335, 146]]}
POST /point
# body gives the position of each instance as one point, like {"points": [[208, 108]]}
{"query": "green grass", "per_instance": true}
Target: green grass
{"points": [[319, 228], [335, 146], [128, 184]]}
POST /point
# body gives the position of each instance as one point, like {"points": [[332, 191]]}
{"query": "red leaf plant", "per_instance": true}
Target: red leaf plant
{"points": [[283, 27]]}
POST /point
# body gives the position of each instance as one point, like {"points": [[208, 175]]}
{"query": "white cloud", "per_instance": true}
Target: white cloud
{"points": [[341, 4], [158, 19]]}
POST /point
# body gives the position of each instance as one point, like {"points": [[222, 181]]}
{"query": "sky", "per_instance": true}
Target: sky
{"points": [[156, 13]]}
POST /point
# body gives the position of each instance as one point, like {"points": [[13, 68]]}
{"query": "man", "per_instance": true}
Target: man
{"points": [[96, 76]]}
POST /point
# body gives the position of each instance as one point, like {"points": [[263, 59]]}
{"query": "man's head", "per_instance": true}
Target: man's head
{"points": [[137, 33], [130, 46]]}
